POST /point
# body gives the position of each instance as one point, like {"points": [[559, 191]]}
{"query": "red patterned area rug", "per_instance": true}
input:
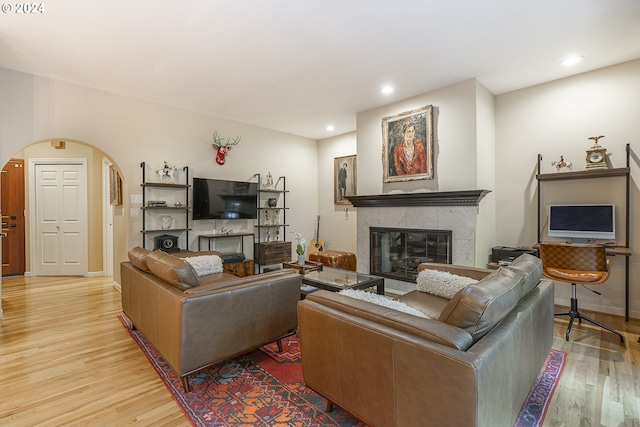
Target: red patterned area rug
{"points": [[265, 388], [535, 406]]}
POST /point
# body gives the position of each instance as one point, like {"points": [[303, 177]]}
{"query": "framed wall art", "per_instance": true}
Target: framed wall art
{"points": [[344, 181], [115, 187], [407, 145]]}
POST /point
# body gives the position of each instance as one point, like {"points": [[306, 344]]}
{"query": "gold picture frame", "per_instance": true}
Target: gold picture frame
{"points": [[412, 160], [115, 187], [344, 180]]}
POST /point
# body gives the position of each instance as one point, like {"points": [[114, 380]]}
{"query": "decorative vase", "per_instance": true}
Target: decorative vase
{"points": [[301, 259], [166, 222]]}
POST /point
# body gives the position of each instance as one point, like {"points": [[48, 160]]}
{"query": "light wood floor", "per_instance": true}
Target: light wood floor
{"points": [[66, 360]]}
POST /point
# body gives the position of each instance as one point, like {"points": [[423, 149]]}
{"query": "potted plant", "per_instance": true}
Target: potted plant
{"points": [[300, 248]]}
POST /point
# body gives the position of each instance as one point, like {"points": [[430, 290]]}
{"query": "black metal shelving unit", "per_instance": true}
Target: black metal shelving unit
{"points": [[151, 210], [273, 250]]}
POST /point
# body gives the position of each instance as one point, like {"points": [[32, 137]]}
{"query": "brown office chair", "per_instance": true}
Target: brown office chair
{"points": [[576, 264]]}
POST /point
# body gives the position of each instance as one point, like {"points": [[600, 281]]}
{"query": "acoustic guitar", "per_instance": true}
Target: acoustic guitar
{"points": [[317, 244]]}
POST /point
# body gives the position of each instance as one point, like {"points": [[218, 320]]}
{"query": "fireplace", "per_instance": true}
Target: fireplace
{"points": [[396, 252], [452, 212]]}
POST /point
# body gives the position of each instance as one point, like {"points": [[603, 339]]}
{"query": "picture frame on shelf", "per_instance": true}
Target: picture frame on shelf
{"points": [[407, 145], [344, 180]]}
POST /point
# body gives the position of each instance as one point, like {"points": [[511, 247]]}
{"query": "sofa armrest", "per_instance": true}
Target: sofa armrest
{"points": [[460, 270]]}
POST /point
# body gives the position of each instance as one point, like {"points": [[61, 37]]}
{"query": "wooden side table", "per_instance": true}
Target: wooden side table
{"points": [[308, 266], [239, 268]]}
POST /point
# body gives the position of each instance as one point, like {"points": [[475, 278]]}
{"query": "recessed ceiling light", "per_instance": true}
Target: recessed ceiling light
{"points": [[387, 89], [571, 60], [331, 127]]}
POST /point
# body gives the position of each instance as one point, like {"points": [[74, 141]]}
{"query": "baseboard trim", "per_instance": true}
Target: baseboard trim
{"points": [[117, 286], [94, 274]]}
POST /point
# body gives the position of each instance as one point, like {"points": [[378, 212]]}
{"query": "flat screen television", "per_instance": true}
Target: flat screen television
{"points": [[582, 223], [220, 199]]}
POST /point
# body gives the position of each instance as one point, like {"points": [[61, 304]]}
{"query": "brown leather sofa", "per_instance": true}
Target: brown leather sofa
{"points": [[196, 322], [471, 364]]}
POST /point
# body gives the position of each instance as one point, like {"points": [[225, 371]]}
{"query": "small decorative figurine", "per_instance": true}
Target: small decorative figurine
{"points": [[268, 182], [561, 164], [167, 173]]}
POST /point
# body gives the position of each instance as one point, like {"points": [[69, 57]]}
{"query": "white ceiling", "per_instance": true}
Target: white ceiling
{"points": [[297, 65]]}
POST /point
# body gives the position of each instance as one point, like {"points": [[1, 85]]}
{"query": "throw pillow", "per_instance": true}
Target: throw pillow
{"points": [[442, 283], [205, 264], [381, 300]]}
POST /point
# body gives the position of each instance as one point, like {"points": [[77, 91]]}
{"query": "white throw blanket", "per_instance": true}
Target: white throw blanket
{"points": [[442, 283], [205, 264], [381, 300]]}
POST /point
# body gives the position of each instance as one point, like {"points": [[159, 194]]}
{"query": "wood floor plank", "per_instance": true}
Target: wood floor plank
{"points": [[66, 360]]}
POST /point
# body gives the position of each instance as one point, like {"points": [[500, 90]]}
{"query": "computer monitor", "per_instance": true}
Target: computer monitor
{"points": [[582, 223]]}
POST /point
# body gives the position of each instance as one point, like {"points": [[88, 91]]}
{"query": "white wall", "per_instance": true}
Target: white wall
{"points": [[486, 173], [131, 131], [463, 150], [455, 149], [337, 228], [556, 119]]}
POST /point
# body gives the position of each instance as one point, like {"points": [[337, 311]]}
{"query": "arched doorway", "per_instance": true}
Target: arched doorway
{"points": [[99, 225]]}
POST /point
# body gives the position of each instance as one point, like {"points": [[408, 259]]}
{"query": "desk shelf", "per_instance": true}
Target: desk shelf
{"points": [[600, 173], [592, 174]]}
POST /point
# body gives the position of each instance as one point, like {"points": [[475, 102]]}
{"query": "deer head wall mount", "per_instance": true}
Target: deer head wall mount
{"points": [[223, 148]]}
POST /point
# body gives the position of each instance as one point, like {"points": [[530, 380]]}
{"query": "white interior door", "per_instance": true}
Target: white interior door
{"points": [[59, 209]]}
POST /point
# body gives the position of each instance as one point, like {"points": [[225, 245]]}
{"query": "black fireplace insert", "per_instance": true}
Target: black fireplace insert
{"points": [[397, 252]]}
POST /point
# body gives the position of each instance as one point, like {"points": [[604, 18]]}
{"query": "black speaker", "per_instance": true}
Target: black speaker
{"points": [[166, 243]]}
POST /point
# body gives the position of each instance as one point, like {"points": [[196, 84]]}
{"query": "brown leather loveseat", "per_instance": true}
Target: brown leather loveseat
{"points": [[472, 363], [196, 322]]}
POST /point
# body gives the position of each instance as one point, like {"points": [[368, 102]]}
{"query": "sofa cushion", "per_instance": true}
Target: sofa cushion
{"points": [[173, 270], [481, 306], [441, 283], [138, 257], [530, 267]]}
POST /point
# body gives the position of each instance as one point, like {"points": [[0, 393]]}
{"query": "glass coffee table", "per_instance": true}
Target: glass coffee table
{"points": [[335, 279]]}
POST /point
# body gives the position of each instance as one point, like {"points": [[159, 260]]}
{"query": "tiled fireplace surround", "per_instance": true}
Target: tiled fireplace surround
{"points": [[443, 210]]}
